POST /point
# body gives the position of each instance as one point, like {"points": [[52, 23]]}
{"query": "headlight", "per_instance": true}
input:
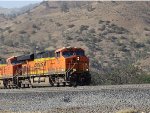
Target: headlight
{"points": [[74, 70], [87, 69], [78, 58]]}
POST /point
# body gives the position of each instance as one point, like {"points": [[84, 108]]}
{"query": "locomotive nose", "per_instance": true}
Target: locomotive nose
{"points": [[80, 63]]}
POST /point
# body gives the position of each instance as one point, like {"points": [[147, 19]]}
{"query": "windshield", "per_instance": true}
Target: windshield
{"points": [[71, 53]]}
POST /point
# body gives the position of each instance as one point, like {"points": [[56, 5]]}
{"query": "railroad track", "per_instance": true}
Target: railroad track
{"points": [[78, 88]]}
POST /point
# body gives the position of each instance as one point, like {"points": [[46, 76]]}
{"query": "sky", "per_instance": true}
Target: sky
{"points": [[17, 3]]}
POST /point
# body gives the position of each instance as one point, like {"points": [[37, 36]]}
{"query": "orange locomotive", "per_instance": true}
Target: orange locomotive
{"points": [[65, 66]]}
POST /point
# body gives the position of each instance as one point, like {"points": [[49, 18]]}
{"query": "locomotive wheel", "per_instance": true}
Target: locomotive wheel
{"points": [[9, 87], [31, 86], [28, 85], [22, 85], [64, 84], [73, 83], [58, 84], [52, 84], [19, 84], [5, 84]]}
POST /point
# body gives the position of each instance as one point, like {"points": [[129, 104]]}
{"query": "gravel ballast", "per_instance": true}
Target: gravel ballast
{"points": [[82, 99]]}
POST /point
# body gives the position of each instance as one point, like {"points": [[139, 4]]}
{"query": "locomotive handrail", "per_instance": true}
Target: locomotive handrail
{"points": [[70, 69]]}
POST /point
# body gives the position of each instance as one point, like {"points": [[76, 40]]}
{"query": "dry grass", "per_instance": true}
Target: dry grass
{"points": [[128, 111]]}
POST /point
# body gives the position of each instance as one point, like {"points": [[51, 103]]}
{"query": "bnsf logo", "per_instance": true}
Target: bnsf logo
{"points": [[40, 64]]}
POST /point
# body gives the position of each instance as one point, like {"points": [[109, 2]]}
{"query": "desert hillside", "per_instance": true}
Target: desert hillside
{"points": [[112, 33]]}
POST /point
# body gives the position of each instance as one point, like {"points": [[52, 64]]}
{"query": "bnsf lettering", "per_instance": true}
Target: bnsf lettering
{"points": [[40, 64]]}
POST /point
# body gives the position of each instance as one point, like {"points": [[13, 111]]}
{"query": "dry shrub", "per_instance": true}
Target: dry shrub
{"points": [[128, 111]]}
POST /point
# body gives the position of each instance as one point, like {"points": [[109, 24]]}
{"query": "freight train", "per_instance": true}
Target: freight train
{"points": [[61, 67]]}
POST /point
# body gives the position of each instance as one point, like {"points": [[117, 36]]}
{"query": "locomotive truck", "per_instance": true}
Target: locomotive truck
{"points": [[64, 66]]}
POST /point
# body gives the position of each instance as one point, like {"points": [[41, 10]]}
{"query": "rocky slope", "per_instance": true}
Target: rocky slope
{"points": [[112, 33]]}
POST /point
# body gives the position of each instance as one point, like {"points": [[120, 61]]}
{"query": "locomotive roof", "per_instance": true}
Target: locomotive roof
{"points": [[33, 55], [67, 48], [25, 57], [47, 51]]}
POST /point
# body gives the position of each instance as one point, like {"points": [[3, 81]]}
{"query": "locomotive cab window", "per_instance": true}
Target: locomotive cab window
{"points": [[80, 52], [72, 53], [68, 53]]}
